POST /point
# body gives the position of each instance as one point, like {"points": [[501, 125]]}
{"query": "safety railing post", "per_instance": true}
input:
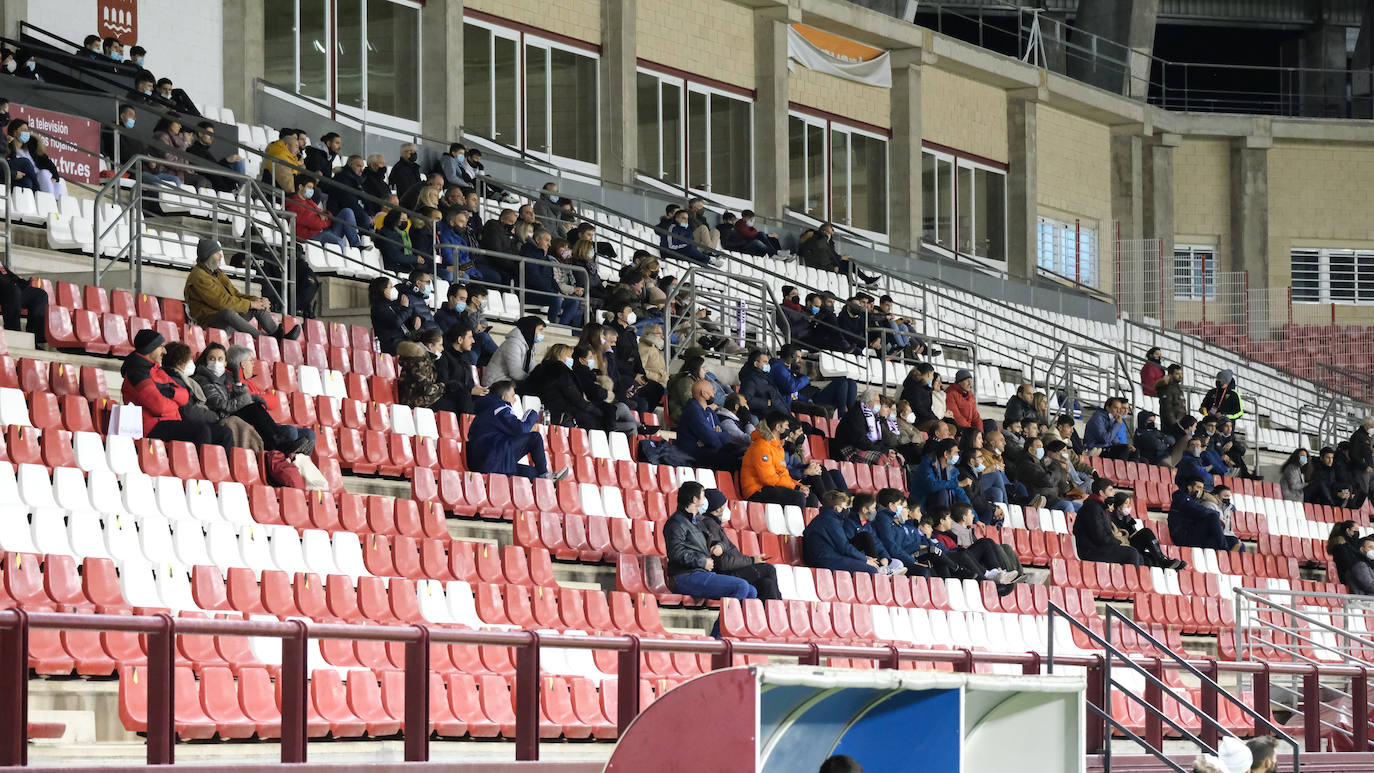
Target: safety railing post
{"points": [[725, 658], [1312, 709], [417, 697], [527, 699], [293, 696], [1259, 688], [1096, 694], [627, 685], [162, 693], [1359, 699], [1154, 696], [14, 699], [964, 665], [812, 656], [1211, 731]]}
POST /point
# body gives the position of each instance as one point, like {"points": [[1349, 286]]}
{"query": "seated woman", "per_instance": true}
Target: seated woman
{"points": [[226, 378], [417, 382], [514, 358], [32, 150], [1139, 537], [554, 383], [150, 387], [228, 432], [616, 417], [392, 317]]}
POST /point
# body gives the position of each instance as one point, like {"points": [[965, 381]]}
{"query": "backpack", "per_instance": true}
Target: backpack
{"points": [[280, 472]]}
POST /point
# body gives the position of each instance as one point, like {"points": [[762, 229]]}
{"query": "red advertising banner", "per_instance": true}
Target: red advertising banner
{"points": [[63, 133]]}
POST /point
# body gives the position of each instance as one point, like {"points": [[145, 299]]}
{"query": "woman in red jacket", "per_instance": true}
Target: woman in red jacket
{"points": [[962, 404], [148, 386], [1152, 371]]}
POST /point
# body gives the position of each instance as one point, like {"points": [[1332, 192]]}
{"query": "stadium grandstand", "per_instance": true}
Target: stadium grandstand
{"points": [[625, 385]]}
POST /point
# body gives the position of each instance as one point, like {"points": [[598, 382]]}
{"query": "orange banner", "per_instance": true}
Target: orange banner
{"points": [[838, 47]]}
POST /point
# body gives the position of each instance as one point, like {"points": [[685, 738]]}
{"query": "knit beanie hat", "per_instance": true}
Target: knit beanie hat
{"points": [[962, 374], [146, 340], [1226, 376], [715, 499], [1234, 755], [205, 248]]}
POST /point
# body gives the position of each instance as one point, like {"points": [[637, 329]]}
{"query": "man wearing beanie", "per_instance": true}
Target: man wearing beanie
{"points": [[728, 559], [962, 403], [148, 386], [213, 301]]}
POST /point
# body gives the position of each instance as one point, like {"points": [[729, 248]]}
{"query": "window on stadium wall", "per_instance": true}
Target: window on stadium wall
{"points": [[1332, 276], [532, 94], [1067, 248], [1195, 269], [356, 55], [842, 179], [964, 205], [695, 135]]}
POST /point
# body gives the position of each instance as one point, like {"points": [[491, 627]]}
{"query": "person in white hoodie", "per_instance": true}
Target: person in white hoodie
{"points": [[1232, 756]]}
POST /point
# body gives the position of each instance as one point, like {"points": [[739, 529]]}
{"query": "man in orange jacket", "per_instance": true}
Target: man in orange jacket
{"points": [[763, 473], [961, 402]]}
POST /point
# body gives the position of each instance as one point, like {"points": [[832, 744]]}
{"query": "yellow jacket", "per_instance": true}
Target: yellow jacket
{"points": [[207, 293], [281, 161]]}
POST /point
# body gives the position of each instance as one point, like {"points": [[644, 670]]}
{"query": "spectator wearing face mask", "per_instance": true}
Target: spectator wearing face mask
{"points": [[825, 545], [691, 567], [751, 240], [1359, 578], [416, 289], [935, 481], [800, 396], [962, 403], [726, 555], [651, 355], [860, 438], [971, 466], [1130, 531], [677, 241], [213, 300], [858, 529], [1192, 523], [227, 433], [1223, 399], [737, 421], [1106, 431], [345, 200], [230, 396], [142, 92], [1151, 443], [28, 151], [764, 476], [417, 380], [405, 173], [1193, 465], [1152, 371], [313, 224], [1293, 475], [547, 208], [391, 314], [699, 433], [515, 357], [500, 437], [1093, 534], [393, 240], [1219, 499]]}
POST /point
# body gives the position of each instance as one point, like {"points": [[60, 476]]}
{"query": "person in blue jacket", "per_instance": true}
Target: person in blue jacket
{"points": [[498, 438], [935, 480], [1194, 464], [699, 433], [824, 544], [887, 526], [1106, 431], [858, 530], [678, 240], [796, 390], [1191, 523], [416, 291], [540, 286]]}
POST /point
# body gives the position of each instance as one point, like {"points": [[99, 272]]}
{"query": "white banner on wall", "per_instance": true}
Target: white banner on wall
{"points": [[818, 50]]}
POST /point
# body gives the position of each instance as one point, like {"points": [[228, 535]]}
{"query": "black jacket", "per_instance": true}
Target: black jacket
{"points": [[318, 161], [1092, 529], [498, 237], [853, 432], [219, 182], [918, 395], [686, 545], [854, 322], [374, 184], [1154, 446], [627, 350], [343, 194], [1017, 410], [454, 371], [556, 386], [1325, 482], [730, 559], [404, 175], [819, 252], [389, 320], [826, 333], [759, 392]]}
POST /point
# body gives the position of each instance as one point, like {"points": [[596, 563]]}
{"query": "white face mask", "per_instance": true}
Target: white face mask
{"points": [[189, 369], [1125, 511], [1369, 554], [725, 517], [216, 367], [630, 318], [392, 294], [910, 417]]}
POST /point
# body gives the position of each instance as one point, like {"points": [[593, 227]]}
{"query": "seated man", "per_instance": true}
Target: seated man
{"points": [[214, 301], [935, 481], [201, 148], [456, 371], [699, 433], [763, 474], [498, 439], [1106, 431], [1194, 465], [857, 528], [800, 396], [1020, 406], [17, 296], [1191, 523], [150, 387], [752, 241], [825, 545], [691, 567], [728, 560], [1092, 529], [1151, 443]]}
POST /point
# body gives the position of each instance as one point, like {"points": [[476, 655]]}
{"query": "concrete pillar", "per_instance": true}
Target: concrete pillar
{"points": [[904, 206], [1130, 24], [1250, 224], [619, 92], [11, 13], [1132, 272], [1021, 182], [1159, 191], [1322, 85], [441, 70], [244, 59], [1362, 66], [770, 110]]}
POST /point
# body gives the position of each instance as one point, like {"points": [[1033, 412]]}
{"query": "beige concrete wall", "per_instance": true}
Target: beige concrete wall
{"points": [[1202, 196], [822, 91], [1073, 177], [710, 38], [579, 19], [964, 114]]}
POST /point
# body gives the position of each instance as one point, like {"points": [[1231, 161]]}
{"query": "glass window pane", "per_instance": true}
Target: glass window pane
{"points": [[1365, 276], [928, 199], [990, 218], [964, 236], [944, 210], [1342, 264], [536, 96], [279, 47], [506, 91], [731, 147], [671, 141], [477, 80], [697, 138], [393, 65], [868, 182], [1306, 270], [815, 172], [1183, 274], [348, 42], [839, 177], [646, 87], [796, 164], [314, 43], [573, 122]]}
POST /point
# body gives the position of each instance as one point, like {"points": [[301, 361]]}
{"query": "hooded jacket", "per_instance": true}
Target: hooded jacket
{"points": [[417, 382], [492, 436], [764, 465], [147, 385], [513, 359], [1151, 442], [918, 394], [1224, 401], [962, 403], [825, 546]]}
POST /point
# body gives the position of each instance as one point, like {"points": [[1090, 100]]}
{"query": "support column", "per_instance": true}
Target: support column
{"points": [[1127, 148], [1250, 221], [1022, 184], [1158, 213], [770, 110], [619, 91], [244, 58], [906, 212], [1322, 87], [11, 13], [441, 70], [1131, 25]]}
